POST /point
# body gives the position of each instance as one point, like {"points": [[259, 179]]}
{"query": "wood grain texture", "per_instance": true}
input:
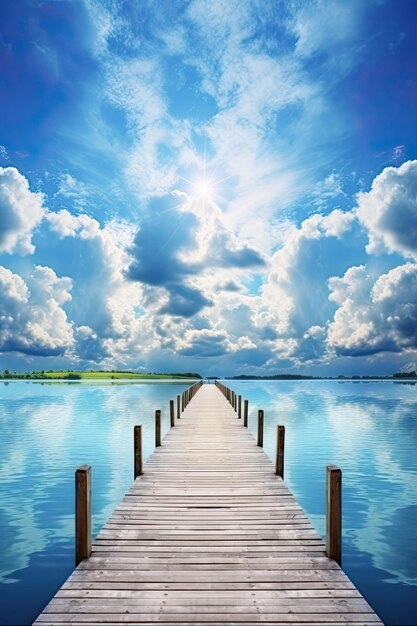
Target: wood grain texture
{"points": [[157, 428], [334, 513], [209, 534], [260, 428], [279, 461], [137, 450], [82, 513], [171, 413]]}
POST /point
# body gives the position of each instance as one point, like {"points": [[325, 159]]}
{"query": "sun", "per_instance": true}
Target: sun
{"points": [[204, 190]]}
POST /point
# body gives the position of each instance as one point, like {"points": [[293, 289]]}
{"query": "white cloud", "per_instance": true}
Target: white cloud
{"points": [[294, 297], [107, 305], [72, 189], [21, 210], [374, 316], [398, 153], [32, 320], [330, 187], [183, 238], [65, 224], [320, 26], [205, 342], [389, 211]]}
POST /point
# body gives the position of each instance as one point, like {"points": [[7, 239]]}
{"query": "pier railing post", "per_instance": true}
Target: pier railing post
{"points": [[82, 513], [260, 428], [178, 407], [137, 447], [239, 406], [171, 413], [334, 513], [245, 413], [279, 463], [157, 428]]}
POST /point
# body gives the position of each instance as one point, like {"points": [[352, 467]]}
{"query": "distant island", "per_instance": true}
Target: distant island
{"points": [[397, 375], [94, 375]]}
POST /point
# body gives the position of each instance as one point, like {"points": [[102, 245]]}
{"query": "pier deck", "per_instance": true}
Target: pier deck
{"points": [[208, 535]]}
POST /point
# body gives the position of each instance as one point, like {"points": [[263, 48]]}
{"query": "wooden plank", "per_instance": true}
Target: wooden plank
{"points": [[174, 606], [229, 618]]}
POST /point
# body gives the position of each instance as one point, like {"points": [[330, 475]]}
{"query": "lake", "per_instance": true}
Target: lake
{"points": [[369, 429]]}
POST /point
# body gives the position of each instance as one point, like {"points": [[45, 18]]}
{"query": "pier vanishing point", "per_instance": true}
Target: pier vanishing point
{"points": [[208, 534]]}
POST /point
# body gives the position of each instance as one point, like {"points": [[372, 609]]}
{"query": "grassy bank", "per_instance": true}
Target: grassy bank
{"points": [[95, 375]]}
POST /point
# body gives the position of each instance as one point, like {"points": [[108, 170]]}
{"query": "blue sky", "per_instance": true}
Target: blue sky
{"points": [[227, 187]]}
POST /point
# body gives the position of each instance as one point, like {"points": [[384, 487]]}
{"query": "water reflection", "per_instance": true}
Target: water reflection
{"points": [[47, 431], [368, 429]]}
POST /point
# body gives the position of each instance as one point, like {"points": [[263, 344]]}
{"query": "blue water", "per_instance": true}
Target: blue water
{"points": [[368, 429], [47, 431]]}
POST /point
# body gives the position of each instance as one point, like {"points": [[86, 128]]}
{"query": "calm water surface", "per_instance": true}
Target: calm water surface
{"points": [[368, 429]]}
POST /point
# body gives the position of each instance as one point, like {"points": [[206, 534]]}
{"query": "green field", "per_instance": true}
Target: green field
{"points": [[97, 375]]}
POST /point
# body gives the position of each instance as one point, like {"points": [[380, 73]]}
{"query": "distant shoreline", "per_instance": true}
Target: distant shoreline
{"points": [[108, 375], [72, 375], [295, 377]]}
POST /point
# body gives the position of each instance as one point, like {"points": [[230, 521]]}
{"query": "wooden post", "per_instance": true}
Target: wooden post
{"points": [[245, 413], [182, 402], [260, 428], [137, 447], [239, 407], [178, 408], [157, 428], [279, 463], [171, 413], [82, 513], [334, 513]]}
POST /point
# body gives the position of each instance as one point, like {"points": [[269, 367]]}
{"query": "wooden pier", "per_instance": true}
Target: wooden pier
{"points": [[209, 535]]}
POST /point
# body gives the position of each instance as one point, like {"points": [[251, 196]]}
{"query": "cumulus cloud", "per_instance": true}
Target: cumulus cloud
{"points": [[32, 318], [389, 211], [180, 239], [106, 308], [294, 299], [185, 301], [205, 342], [21, 210], [374, 315]]}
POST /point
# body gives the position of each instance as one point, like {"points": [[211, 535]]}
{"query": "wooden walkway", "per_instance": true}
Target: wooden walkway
{"points": [[208, 535]]}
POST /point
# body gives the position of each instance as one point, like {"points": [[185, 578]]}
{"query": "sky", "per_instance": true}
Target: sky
{"points": [[211, 186]]}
